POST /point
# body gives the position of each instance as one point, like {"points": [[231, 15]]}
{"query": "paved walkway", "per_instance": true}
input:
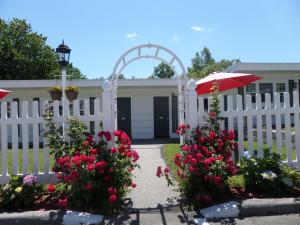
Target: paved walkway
{"points": [[151, 191]]}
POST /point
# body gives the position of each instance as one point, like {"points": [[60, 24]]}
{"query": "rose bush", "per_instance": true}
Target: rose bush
{"points": [[92, 174], [204, 162]]}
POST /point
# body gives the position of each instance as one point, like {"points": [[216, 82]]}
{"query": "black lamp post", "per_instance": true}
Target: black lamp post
{"points": [[63, 55]]}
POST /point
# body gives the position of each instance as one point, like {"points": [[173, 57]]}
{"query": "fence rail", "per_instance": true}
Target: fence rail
{"points": [[257, 122], [23, 126]]}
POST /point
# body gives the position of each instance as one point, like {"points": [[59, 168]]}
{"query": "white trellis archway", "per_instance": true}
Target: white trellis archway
{"points": [[136, 53]]}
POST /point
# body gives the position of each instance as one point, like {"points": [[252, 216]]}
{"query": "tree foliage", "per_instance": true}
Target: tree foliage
{"points": [[204, 64], [162, 71], [24, 54]]}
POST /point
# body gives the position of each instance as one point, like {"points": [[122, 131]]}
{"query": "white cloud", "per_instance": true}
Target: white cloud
{"points": [[175, 39], [197, 29], [131, 36]]}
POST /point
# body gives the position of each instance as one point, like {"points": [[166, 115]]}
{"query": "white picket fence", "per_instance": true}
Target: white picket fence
{"points": [[29, 127], [261, 123]]}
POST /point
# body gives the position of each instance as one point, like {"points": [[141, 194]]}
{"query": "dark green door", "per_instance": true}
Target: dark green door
{"points": [[124, 115], [161, 117]]}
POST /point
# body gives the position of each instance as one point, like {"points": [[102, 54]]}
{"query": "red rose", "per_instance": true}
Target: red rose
{"points": [[158, 171], [177, 156], [107, 177], [212, 114], [101, 133], [62, 202], [212, 135], [112, 199], [93, 151], [114, 150], [186, 148], [166, 170], [112, 191], [101, 164], [51, 188], [107, 136], [90, 167], [88, 186], [193, 161], [117, 133], [133, 185]]}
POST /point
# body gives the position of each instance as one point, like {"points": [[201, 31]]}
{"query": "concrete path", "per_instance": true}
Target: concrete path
{"points": [[151, 191]]}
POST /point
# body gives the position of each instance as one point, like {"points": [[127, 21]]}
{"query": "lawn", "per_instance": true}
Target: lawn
{"points": [[30, 157]]}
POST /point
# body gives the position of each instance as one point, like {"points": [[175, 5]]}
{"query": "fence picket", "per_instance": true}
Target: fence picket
{"points": [[25, 138], [240, 126], [35, 130], [45, 144], [87, 113], [15, 137], [278, 123], [201, 111], [287, 120], [297, 127], [4, 141], [230, 110], [249, 123], [221, 100], [259, 126], [268, 121]]}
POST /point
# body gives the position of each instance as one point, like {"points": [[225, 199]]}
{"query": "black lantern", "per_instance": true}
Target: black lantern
{"points": [[63, 54]]}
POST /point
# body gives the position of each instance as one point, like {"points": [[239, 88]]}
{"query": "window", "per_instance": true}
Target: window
{"points": [[251, 90], [92, 110], [280, 88], [81, 107], [265, 88], [174, 113]]}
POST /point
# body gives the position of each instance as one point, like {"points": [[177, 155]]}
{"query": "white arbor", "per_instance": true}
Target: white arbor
{"points": [[162, 54]]}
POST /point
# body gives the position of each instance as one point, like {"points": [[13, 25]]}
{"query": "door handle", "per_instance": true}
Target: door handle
{"points": [[123, 118], [161, 117]]}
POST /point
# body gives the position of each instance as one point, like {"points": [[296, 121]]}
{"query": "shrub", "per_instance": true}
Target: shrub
{"points": [[19, 192], [93, 175], [265, 175], [205, 163]]}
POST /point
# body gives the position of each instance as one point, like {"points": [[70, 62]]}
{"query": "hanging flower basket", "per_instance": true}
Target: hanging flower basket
{"points": [[72, 92], [55, 92]]}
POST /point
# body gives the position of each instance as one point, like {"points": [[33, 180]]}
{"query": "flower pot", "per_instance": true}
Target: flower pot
{"points": [[56, 95], [71, 95]]}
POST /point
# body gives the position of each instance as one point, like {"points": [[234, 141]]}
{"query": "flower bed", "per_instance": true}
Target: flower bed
{"points": [[92, 175], [206, 172]]}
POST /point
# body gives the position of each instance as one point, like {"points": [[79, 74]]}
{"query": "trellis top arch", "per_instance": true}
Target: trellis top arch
{"points": [[122, 62]]}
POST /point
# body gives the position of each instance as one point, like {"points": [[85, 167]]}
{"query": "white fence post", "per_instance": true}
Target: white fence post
{"points": [[107, 106], [192, 104]]}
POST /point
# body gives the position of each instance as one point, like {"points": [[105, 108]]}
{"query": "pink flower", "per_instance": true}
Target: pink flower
{"points": [[212, 114]]}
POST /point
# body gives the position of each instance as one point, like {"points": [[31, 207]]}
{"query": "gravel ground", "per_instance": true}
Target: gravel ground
{"points": [[151, 191]]}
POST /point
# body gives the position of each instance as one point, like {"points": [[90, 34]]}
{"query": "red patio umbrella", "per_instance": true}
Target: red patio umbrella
{"points": [[225, 81], [3, 93]]}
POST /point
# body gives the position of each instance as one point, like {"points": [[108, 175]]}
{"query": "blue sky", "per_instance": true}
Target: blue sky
{"points": [[99, 31]]}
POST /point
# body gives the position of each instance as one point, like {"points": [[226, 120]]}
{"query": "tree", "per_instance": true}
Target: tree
{"points": [[162, 71], [204, 64], [24, 54]]}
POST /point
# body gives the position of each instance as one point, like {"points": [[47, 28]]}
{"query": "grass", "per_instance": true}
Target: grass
{"points": [[30, 158], [274, 149], [169, 152]]}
